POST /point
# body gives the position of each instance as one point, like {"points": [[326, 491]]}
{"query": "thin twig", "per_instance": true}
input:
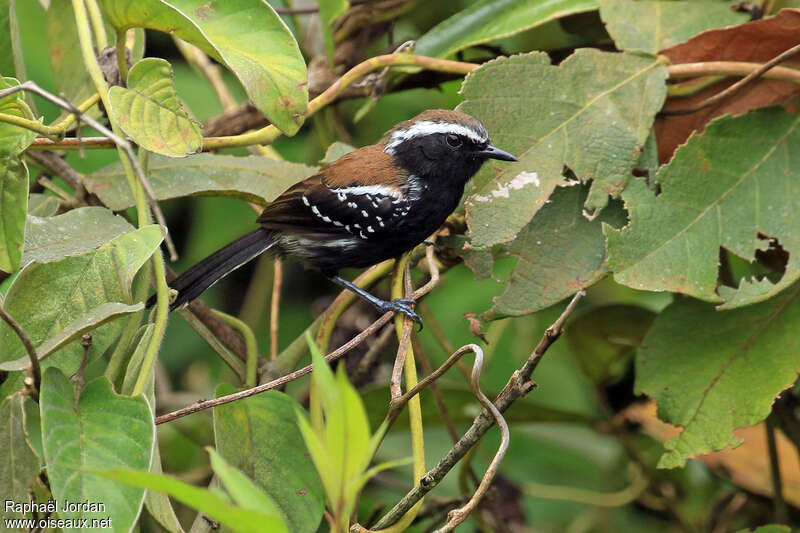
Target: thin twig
{"points": [[778, 502], [730, 68], [275, 307], [27, 343], [312, 9], [333, 356], [123, 144], [791, 52], [518, 385], [456, 516], [56, 165]]}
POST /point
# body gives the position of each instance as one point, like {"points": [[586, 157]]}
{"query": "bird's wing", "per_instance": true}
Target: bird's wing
{"points": [[329, 205]]}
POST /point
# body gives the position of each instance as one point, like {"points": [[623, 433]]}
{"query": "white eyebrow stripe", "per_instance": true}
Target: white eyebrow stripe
{"points": [[382, 190], [427, 127]]}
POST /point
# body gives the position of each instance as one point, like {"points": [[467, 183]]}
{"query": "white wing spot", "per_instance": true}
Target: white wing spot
{"points": [[305, 200]]}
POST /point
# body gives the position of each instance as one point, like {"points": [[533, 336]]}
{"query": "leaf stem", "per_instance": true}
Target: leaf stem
{"points": [[98, 28], [27, 343], [34, 125], [122, 56], [251, 377]]}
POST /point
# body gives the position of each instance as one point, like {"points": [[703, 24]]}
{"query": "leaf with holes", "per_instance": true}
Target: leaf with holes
{"points": [[488, 20], [14, 139], [698, 381], [253, 178], [727, 188], [150, 112], [46, 298], [592, 113], [247, 36], [13, 205], [98, 429], [73, 233], [650, 26]]}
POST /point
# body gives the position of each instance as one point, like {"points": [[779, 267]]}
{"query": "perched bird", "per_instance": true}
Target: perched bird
{"points": [[369, 205]]}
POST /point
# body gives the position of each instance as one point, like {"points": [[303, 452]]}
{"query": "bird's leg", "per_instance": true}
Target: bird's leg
{"points": [[400, 305]]}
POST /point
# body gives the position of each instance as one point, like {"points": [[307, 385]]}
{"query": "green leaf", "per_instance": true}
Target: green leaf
{"points": [[592, 113], [97, 430], [714, 371], [260, 437], [150, 112], [254, 179], [329, 11], [47, 297], [83, 324], [559, 230], [13, 206], [603, 339], [245, 492], [247, 36], [19, 462], [60, 32], [205, 501], [11, 60], [771, 528], [41, 205], [14, 139], [488, 20], [73, 233], [721, 189], [651, 26]]}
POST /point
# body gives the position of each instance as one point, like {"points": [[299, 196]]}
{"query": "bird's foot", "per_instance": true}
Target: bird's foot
{"points": [[401, 305]]}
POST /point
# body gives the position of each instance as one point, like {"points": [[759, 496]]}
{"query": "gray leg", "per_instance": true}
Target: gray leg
{"points": [[398, 305]]}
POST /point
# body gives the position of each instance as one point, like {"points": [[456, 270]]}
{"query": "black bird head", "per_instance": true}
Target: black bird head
{"points": [[441, 142]]}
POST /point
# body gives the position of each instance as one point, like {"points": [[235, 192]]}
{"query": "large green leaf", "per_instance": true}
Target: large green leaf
{"points": [[61, 34], [14, 139], [650, 26], [559, 252], [246, 493], [245, 35], [259, 436], [592, 113], [726, 188], [209, 503], [714, 371], [19, 462], [96, 430], [151, 113], [83, 324], [13, 206], [46, 298], [253, 178], [41, 205], [11, 61], [73, 233], [487, 20]]}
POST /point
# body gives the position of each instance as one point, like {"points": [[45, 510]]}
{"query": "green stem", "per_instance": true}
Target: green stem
{"points": [[66, 122], [98, 28], [251, 378], [34, 125], [231, 359], [119, 356], [122, 59]]}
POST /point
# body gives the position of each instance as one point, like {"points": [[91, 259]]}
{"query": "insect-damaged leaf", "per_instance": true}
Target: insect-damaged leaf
{"points": [[725, 188], [592, 113]]}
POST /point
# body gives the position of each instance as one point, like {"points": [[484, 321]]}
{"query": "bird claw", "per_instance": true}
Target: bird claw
{"points": [[402, 305]]}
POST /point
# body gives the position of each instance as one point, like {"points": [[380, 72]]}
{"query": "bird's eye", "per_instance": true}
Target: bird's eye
{"points": [[453, 140]]}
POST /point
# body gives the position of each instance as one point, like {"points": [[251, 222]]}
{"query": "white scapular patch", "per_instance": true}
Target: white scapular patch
{"points": [[305, 200], [427, 127], [382, 190], [502, 191]]}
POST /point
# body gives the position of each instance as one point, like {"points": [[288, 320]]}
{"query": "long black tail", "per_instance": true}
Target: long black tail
{"points": [[207, 272]]}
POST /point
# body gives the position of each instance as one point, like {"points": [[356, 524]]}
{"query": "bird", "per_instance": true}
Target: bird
{"points": [[371, 204]]}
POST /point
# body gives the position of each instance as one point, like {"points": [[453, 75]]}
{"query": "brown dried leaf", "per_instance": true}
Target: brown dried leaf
{"points": [[747, 465], [755, 42]]}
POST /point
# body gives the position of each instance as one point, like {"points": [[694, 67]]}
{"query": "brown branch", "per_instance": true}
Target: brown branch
{"points": [[57, 166], [753, 76], [518, 386], [27, 343], [333, 356]]}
